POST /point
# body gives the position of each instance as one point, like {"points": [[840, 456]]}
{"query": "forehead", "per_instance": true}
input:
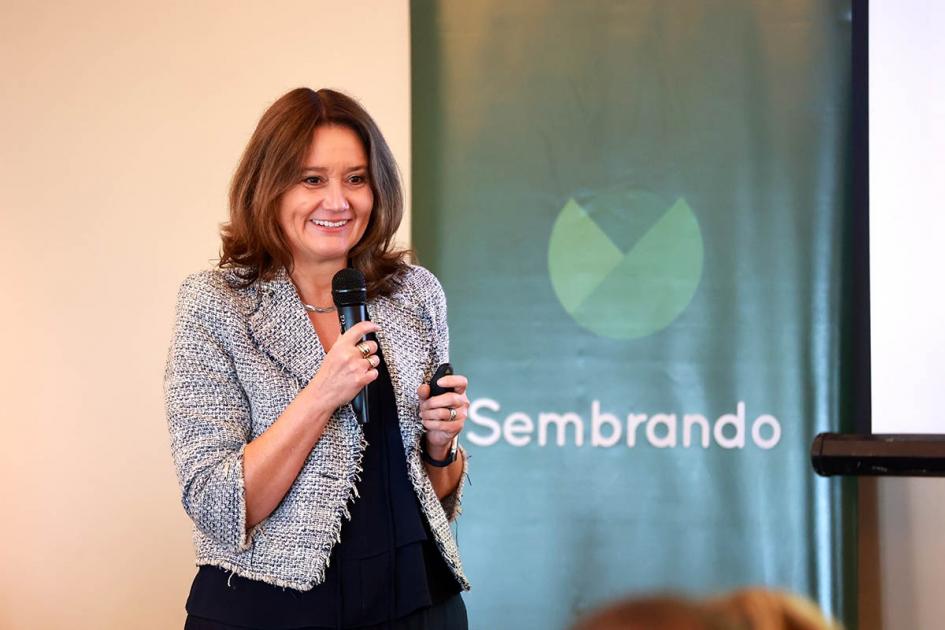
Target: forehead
{"points": [[335, 145]]}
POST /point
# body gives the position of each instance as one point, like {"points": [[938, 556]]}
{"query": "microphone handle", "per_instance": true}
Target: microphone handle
{"points": [[349, 316]]}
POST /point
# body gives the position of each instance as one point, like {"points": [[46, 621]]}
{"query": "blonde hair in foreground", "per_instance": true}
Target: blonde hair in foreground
{"points": [[761, 609], [745, 609]]}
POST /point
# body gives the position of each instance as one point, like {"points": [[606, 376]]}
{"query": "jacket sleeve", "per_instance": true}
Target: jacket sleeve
{"points": [[437, 309], [452, 503], [208, 417]]}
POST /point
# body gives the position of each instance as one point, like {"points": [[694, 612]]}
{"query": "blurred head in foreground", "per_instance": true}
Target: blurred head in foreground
{"points": [[747, 609], [761, 609], [654, 613]]}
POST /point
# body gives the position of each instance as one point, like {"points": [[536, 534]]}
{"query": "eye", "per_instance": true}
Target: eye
{"points": [[357, 179], [313, 180]]}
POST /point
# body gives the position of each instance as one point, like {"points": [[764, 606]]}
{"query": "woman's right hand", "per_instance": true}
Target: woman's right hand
{"points": [[272, 461], [345, 370]]}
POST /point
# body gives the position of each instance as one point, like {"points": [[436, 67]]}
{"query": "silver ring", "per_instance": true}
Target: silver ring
{"points": [[452, 414], [364, 348]]}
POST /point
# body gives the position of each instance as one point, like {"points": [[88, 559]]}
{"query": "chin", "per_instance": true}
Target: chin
{"points": [[326, 255]]}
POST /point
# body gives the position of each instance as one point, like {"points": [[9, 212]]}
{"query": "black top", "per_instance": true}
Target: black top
{"points": [[385, 567]]}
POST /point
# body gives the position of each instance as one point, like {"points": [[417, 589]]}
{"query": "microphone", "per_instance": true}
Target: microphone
{"points": [[349, 293]]}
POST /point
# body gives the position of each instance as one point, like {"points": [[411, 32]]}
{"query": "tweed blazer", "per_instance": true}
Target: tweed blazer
{"points": [[238, 357]]}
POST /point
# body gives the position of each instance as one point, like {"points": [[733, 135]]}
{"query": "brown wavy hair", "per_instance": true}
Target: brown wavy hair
{"points": [[253, 243]]}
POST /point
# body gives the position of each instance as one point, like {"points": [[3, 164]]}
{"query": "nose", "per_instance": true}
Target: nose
{"points": [[335, 200]]}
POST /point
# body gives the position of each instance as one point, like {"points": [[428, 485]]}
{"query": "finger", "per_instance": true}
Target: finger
{"points": [[435, 415], [367, 377], [371, 345], [354, 334], [374, 360], [423, 392], [442, 414], [447, 429], [449, 399], [370, 348], [454, 381]]}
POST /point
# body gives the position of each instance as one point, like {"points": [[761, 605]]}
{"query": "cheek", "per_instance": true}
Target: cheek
{"points": [[366, 206], [282, 221], [362, 226], [286, 206]]}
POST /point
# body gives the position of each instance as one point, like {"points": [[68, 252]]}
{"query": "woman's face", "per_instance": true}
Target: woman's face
{"points": [[326, 212]]}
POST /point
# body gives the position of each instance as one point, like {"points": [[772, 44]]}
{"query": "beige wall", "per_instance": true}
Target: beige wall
{"points": [[902, 553], [121, 125]]}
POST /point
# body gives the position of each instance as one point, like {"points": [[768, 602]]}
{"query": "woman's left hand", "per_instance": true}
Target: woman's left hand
{"points": [[435, 414]]}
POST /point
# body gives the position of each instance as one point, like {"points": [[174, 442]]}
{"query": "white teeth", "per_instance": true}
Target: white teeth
{"points": [[331, 224]]}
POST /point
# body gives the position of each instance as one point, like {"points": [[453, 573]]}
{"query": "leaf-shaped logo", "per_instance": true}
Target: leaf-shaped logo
{"points": [[625, 264]]}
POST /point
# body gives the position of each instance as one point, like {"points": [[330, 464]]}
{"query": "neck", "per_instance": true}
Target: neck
{"points": [[313, 281]]}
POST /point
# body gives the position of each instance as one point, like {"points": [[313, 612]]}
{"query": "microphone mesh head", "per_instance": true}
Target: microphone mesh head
{"points": [[348, 287]]}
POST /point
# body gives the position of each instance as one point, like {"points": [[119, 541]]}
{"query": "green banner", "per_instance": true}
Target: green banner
{"points": [[636, 210]]}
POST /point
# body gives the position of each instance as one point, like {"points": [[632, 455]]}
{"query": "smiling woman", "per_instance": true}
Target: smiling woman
{"points": [[325, 214], [283, 159], [269, 454]]}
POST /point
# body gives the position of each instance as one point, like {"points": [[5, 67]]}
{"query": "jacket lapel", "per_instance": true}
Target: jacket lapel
{"points": [[282, 330], [399, 323]]}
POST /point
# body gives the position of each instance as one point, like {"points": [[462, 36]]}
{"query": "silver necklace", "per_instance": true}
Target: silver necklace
{"points": [[318, 309]]}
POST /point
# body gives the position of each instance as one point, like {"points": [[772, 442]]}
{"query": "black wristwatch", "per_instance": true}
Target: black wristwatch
{"points": [[439, 463]]}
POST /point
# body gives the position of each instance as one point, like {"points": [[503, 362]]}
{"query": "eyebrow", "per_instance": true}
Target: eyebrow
{"points": [[322, 169]]}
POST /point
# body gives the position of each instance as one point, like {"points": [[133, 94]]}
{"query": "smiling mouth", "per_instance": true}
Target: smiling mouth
{"points": [[330, 224]]}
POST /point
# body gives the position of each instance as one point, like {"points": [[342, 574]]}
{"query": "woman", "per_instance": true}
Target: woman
{"points": [[304, 518]]}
